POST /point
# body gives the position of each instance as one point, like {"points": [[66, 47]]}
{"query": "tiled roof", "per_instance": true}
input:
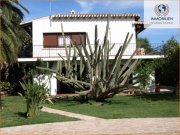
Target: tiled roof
{"points": [[66, 16], [140, 22]]}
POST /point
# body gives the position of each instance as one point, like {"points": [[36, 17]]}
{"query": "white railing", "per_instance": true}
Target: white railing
{"points": [[40, 52]]}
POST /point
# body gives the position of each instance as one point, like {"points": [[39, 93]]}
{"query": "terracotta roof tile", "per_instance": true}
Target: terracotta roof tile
{"points": [[63, 16]]}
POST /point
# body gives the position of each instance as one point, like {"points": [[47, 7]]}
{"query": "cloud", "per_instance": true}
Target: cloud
{"points": [[88, 5]]}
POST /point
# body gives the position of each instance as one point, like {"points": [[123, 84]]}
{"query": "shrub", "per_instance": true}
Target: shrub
{"points": [[5, 86], [35, 96]]}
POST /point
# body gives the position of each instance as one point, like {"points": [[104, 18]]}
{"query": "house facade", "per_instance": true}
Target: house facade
{"points": [[48, 42]]}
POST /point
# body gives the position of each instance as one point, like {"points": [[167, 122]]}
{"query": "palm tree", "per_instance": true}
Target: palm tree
{"points": [[10, 38], [10, 43]]}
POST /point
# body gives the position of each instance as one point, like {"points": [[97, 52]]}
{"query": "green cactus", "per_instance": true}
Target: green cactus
{"points": [[107, 82], [102, 81]]}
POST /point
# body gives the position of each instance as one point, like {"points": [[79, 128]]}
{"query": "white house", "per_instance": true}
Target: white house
{"points": [[47, 39]]}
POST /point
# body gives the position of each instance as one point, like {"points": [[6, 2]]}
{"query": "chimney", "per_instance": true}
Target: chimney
{"points": [[73, 12]]}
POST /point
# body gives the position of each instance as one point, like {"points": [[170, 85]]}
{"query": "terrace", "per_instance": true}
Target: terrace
{"points": [[51, 54]]}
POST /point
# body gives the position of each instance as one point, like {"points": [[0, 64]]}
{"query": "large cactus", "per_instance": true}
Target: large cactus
{"points": [[102, 81], [105, 81]]}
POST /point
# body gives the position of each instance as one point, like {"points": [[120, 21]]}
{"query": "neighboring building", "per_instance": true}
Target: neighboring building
{"points": [[47, 36]]}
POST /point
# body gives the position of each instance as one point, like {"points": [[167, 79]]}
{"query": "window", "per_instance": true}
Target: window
{"points": [[56, 39], [50, 40], [62, 41]]}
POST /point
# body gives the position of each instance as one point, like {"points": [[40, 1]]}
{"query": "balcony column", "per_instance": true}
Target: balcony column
{"points": [[53, 85]]}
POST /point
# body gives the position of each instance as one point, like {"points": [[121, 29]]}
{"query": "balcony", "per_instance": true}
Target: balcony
{"points": [[155, 51]]}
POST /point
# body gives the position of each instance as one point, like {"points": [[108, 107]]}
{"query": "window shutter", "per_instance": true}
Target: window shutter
{"points": [[77, 37], [50, 40]]}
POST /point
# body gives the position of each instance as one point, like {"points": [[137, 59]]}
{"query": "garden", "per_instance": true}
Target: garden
{"points": [[139, 106], [96, 80]]}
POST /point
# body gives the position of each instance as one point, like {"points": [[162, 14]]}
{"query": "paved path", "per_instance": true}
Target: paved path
{"points": [[93, 125], [114, 126], [74, 115]]}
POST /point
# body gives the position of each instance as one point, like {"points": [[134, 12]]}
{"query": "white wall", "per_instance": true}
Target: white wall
{"points": [[50, 81], [117, 33]]}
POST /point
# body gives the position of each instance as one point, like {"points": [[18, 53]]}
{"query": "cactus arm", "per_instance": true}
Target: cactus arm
{"points": [[89, 44], [47, 69], [117, 58], [75, 81], [127, 63]]}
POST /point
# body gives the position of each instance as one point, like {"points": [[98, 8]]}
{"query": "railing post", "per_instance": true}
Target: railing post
{"points": [[49, 52]]}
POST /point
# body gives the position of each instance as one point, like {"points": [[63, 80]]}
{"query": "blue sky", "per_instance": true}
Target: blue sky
{"points": [[40, 8]]}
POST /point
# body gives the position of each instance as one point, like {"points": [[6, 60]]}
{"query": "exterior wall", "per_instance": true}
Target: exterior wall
{"points": [[50, 81], [117, 33]]}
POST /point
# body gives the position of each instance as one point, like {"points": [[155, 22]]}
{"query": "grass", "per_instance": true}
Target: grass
{"points": [[13, 114], [143, 106]]}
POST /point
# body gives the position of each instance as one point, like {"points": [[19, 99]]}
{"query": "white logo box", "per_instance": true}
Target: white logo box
{"points": [[161, 13]]}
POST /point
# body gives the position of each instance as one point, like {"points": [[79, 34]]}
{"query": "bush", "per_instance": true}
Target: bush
{"points": [[35, 96], [167, 69], [5, 86], [144, 70]]}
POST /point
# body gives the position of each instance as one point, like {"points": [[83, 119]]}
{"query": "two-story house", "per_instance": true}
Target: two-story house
{"points": [[47, 39]]}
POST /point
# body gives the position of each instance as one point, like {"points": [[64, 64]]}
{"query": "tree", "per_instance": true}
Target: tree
{"points": [[144, 43], [167, 69], [10, 38], [11, 41], [144, 70], [146, 67]]}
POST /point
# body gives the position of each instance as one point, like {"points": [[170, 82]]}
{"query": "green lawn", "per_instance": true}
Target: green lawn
{"points": [[13, 114], [124, 107]]}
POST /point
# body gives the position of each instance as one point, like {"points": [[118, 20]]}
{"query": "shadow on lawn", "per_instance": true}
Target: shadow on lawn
{"points": [[72, 101], [69, 101], [109, 102], [21, 114], [158, 97]]}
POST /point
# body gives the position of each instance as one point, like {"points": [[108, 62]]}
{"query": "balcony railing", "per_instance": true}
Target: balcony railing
{"points": [[40, 52]]}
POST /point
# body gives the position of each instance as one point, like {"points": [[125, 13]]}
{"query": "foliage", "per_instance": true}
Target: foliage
{"points": [[144, 70], [144, 43], [11, 33], [29, 70], [26, 49], [13, 114], [32, 72], [10, 30], [35, 95], [105, 78], [5, 86], [167, 69], [22, 72]]}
